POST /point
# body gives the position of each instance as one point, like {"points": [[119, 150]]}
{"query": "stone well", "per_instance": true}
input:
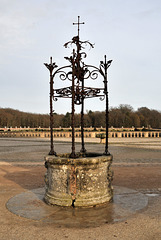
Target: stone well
{"points": [[79, 182]]}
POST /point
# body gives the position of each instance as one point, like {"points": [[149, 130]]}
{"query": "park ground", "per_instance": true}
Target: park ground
{"points": [[136, 165]]}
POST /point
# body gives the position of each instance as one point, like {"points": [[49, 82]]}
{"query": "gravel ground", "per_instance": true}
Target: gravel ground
{"points": [[136, 165], [123, 150]]}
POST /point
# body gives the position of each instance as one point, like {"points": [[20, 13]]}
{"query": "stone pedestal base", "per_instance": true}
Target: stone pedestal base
{"points": [[80, 182]]}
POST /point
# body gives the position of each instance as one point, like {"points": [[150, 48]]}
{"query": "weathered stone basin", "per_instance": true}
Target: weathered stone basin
{"points": [[79, 182]]}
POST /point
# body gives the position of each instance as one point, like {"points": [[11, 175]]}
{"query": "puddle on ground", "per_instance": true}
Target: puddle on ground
{"points": [[31, 205]]}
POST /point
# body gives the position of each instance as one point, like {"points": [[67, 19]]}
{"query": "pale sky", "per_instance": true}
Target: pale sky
{"points": [[127, 31]]}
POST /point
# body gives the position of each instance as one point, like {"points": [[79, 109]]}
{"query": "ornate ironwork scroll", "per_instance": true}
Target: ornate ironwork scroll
{"points": [[78, 73]]}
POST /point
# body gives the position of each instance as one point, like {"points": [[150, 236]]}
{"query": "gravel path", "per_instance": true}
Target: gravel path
{"points": [[136, 165], [123, 150]]}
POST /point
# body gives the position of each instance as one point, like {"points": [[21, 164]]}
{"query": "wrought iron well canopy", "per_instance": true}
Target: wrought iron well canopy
{"points": [[77, 72]]}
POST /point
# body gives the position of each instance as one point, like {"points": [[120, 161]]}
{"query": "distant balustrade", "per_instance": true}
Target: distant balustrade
{"points": [[88, 134]]}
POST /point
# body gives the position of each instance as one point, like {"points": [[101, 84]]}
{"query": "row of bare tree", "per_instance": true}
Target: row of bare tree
{"points": [[124, 115]]}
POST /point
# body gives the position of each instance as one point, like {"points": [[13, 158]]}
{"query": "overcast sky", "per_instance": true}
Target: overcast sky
{"points": [[127, 31]]}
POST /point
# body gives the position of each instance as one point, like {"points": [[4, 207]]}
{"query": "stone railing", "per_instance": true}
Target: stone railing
{"points": [[132, 134]]}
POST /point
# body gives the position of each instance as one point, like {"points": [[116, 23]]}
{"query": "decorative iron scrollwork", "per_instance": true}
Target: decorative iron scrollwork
{"points": [[87, 92], [63, 92], [78, 73], [62, 74]]}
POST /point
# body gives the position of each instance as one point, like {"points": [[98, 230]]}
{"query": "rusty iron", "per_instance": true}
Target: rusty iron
{"points": [[77, 72], [73, 155], [51, 67], [73, 183], [105, 65]]}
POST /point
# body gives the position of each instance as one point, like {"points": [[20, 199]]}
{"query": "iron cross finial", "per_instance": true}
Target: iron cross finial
{"points": [[78, 23]]}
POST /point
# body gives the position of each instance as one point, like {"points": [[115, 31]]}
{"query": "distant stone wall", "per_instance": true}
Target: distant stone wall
{"points": [[64, 134], [134, 134], [46, 134]]}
